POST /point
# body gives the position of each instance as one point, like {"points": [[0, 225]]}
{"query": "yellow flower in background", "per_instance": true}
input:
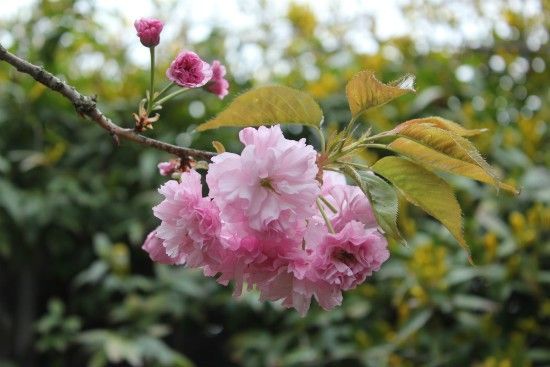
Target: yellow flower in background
{"points": [[430, 266], [326, 85], [302, 18], [490, 243]]}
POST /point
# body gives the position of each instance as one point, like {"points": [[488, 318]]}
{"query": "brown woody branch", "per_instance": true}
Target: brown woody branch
{"points": [[86, 106]]}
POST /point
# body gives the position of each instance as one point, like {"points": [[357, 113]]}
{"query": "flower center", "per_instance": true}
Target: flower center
{"points": [[266, 182], [344, 257]]}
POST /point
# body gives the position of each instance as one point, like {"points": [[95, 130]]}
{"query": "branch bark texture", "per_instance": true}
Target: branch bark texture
{"points": [[86, 106]]}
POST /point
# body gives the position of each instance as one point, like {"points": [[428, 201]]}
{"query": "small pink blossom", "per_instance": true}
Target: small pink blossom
{"points": [[270, 185], [148, 31], [189, 71], [218, 70], [218, 85], [346, 258], [167, 168]]}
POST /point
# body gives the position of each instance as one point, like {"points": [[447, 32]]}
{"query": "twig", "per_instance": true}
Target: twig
{"points": [[86, 106]]}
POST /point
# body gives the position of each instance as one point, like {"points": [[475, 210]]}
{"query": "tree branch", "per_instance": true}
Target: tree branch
{"points": [[86, 106]]}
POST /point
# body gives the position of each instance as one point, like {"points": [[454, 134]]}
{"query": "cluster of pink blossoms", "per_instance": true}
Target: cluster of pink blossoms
{"points": [[187, 70], [260, 225]]}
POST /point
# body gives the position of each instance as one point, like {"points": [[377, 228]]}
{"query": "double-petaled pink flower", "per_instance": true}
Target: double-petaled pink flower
{"points": [[346, 258], [148, 31], [270, 185], [190, 224], [189, 70]]}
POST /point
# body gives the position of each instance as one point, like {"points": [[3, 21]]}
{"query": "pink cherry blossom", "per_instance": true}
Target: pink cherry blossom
{"points": [[254, 257], [346, 258], [190, 223], [297, 283], [351, 204], [260, 225], [188, 70], [270, 185], [148, 31]]}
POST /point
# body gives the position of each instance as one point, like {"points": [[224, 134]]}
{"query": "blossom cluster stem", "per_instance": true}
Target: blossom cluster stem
{"points": [[152, 79], [325, 217], [171, 95], [328, 204], [164, 90]]}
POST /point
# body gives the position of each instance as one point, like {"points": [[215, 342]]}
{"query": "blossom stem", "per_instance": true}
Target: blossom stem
{"points": [[378, 146], [349, 127], [152, 78], [325, 217], [170, 96], [164, 90], [381, 135], [358, 165], [328, 204]]}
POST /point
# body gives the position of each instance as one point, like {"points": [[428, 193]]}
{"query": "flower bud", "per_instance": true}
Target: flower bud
{"points": [[167, 168], [148, 31], [218, 85]]}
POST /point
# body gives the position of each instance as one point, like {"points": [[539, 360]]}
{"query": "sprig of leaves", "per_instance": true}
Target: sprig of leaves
{"points": [[422, 146]]}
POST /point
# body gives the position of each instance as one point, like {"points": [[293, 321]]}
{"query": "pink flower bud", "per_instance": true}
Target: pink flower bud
{"points": [[219, 87], [218, 84], [148, 31], [188, 70], [218, 70], [167, 168]]}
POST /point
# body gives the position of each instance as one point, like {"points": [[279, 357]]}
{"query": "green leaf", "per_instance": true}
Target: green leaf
{"points": [[414, 324], [433, 159], [426, 190], [364, 91], [383, 199], [474, 303], [269, 105]]}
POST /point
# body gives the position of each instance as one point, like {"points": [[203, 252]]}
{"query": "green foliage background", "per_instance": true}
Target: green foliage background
{"points": [[75, 288]]}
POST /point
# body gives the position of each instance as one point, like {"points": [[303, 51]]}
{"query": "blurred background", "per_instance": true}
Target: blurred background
{"points": [[77, 290]]}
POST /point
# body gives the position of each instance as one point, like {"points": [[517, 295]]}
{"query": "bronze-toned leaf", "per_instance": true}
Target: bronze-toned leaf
{"points": [[446, 125], [446, 142], [364, 91], [433, 159]]}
